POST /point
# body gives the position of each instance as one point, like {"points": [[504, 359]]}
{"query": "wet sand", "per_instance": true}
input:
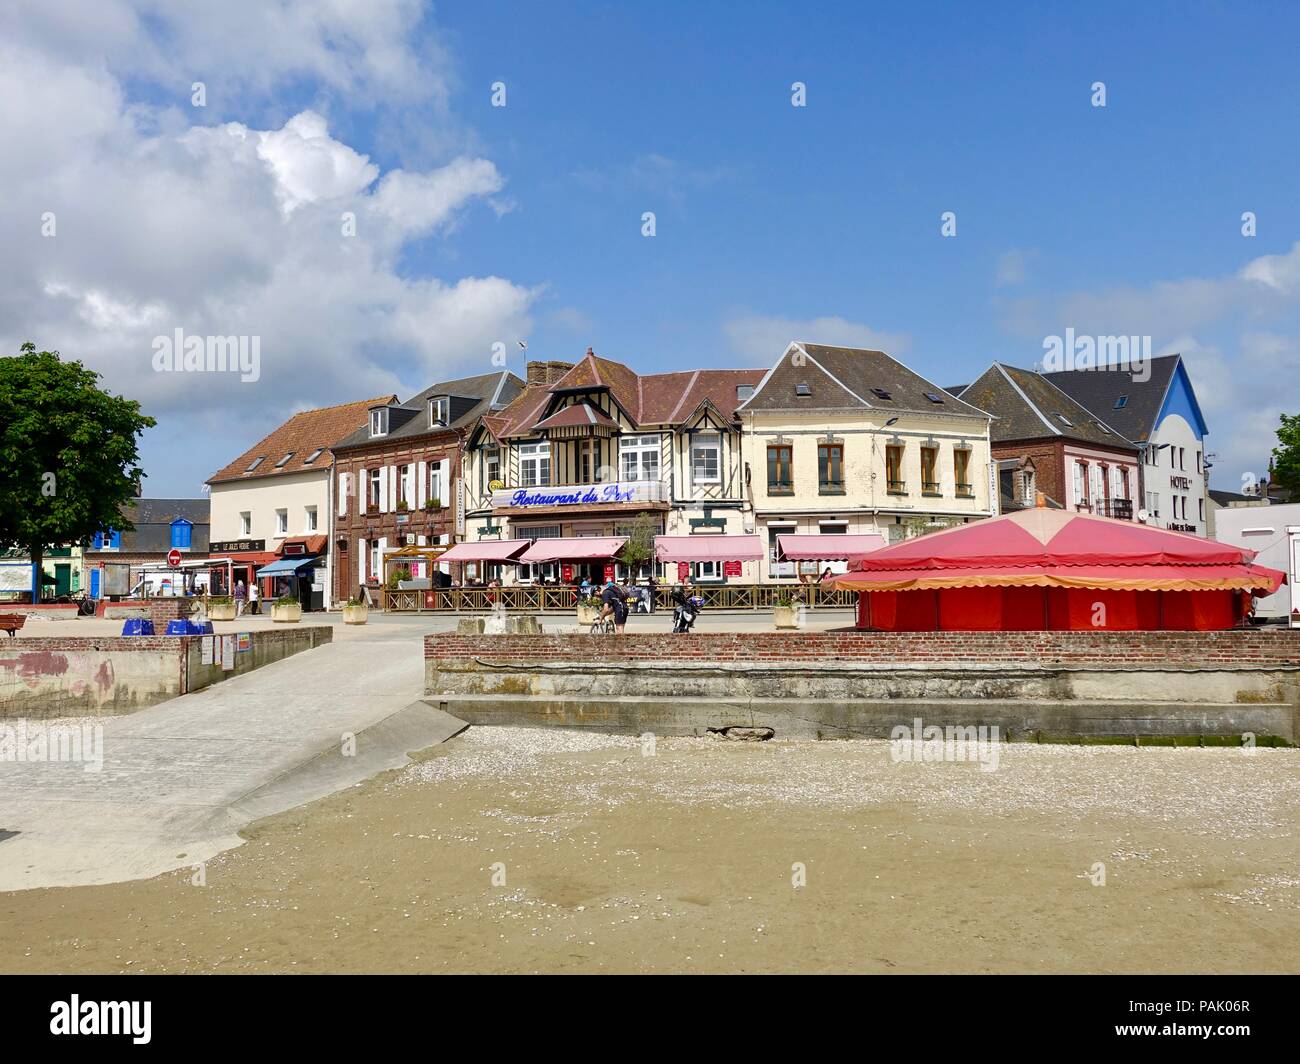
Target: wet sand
{"points": [[683, 862]]}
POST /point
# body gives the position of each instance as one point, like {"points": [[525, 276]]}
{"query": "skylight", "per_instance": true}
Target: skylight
{"points": [[256, 462], [1121, 402], [283, 461], [313, 456], [802, 389], [881, 393], [1066, 420], [934, 397]]}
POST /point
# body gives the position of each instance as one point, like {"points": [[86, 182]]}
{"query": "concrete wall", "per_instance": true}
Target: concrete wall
{"points": [[841, 684], [57, 677]]}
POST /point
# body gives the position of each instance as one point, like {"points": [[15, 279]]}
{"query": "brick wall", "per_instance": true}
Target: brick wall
{"points": [[1248, 647]]}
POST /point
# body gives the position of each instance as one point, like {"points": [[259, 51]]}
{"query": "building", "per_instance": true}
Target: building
{"points": [[61, 572], [272, 504], [572, 464], [398, 477], [843, 440], [1268, 529], [1055, 446], [161, 525], [1161, 415]]}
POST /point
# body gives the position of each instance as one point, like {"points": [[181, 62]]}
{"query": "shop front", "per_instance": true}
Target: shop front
{"points": [[243, 558], [303, 572]]}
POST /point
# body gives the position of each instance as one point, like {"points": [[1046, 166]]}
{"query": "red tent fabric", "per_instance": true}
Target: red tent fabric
{"points": [[1047, 569]]}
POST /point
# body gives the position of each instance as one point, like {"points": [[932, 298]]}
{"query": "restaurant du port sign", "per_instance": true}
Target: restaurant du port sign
{"points": [[589, 495]]}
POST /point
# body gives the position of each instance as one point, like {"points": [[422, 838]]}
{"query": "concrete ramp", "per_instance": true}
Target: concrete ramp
{"points": [[179, 779]]}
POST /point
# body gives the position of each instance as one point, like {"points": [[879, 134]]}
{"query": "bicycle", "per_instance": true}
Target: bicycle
{"points": [[603, 627]]}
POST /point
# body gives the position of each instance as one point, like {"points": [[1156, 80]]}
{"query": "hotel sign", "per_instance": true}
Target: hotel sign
{"points": [[593, 496]]}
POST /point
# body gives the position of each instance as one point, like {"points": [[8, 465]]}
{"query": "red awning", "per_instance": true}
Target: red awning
{"points": [[708, 548], [589, 548], [489, 550], [832, 547], [1098, 577]]}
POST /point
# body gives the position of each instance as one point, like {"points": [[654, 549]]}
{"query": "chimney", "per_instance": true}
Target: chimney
{"points": [[542, 373]]}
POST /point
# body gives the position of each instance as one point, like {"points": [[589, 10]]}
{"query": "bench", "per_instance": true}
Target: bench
{"points": [[11, 622]]}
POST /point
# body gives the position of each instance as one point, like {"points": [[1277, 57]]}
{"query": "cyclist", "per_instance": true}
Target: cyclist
{"points": [[614, 603]]}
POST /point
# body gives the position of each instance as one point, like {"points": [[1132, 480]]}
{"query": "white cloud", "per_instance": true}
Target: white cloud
{"points": [[308, 164], [1011, 267], [762, 338]]}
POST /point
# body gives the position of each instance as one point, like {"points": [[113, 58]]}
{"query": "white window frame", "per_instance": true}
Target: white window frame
{"points": [[702, 444], [281, 522], [245, 523], [439, 411], [535, 464], [375, 488], [632, 454], [311, 519], [378, 423], [435, 483]]}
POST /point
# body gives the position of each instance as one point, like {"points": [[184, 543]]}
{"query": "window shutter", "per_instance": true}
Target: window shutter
{"points": [[421, 485]]}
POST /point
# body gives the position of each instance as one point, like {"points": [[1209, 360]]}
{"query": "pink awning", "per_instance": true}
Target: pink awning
{"points": [[831, 547], [589, 548], [708, 548], [489, 550]]}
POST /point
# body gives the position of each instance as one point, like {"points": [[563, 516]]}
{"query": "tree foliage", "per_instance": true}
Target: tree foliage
{"points": [[639, 549], [1286, 456], [69, 455]]}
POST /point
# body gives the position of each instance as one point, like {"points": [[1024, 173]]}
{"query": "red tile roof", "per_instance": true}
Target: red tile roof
{"points": [[301, 434]]}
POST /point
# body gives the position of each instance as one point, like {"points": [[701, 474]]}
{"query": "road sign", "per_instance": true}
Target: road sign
{"points": [[174, 558]]}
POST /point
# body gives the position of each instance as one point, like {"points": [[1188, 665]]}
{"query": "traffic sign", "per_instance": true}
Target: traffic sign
{"points": [[174, 558]]}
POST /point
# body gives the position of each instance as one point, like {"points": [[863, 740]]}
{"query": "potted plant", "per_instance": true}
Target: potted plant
{"points": [[588, 610], [355, 611], [785, 612], [221, 608], [286, 610], [402, 506], [431, 505]]}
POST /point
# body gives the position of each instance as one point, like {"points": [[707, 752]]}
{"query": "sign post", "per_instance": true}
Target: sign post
{"points": [[174, 558]]}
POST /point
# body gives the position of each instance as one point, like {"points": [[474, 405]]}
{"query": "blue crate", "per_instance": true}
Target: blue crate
{"points": [[137, 626], [181, 627]]}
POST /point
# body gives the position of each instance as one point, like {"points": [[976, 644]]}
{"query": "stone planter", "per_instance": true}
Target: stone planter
{"points": [[286, 614], [355, 614], [221, 611], [785, 616], [588, 615]]}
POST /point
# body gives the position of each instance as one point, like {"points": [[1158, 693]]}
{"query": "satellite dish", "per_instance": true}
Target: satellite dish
{"points": [[1142, 516]]}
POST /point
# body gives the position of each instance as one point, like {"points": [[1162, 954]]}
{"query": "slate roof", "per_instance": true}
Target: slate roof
{"points": [[1026, 406], [1098, 390], [302, 434], [850, 378], [482, 391], [153, 526]]}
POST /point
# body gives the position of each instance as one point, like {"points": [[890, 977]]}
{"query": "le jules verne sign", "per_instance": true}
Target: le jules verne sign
{"points": [[593, 495]]}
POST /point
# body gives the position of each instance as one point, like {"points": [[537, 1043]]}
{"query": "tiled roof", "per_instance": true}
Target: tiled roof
{"points": [[481, 390], [302, 434], [850, 378], [1027, 406], [1100, 389], [579, 414]]}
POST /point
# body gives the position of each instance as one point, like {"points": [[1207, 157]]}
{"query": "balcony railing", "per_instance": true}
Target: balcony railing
{"points": [[965, 491], [929, 487], [896, 487], [1120, 508]]}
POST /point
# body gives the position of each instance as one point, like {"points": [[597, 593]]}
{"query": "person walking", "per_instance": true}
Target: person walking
{"points": [[254, 597], [652, 587], [241, 598]]}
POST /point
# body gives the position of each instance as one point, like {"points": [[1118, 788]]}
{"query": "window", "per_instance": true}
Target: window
{"points": [[830, 468], [929, 470], [961, 473], [438, 411], [283, 461], [639, 458], [534, 464], [1153, 504], [1029, 493], [379, 422], [1201, 503], [310, 523], [282, 522], [802, 390], [492, 466], [1198, 463], [1182, 457], [376, 483], [403, 487], [780, 473], [255, 463], [1080, 484], [1121, 402], [435, 483], [1065, 420], [181, 534], [541, 532], [743, 392], [894, 482], [246, 524], [706, 458], [881, 393], [313, 456], [1123, 492], [707, 571], [376, 562], [109, 540], [934, 397]]}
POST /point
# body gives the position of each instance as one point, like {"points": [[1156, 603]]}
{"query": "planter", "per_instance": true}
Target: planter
{"points": [[785, 616], [588, 615], [220, 611], [355, 614], [286, 614]]}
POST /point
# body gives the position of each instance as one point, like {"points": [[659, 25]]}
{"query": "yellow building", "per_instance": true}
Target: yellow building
{"points": [[842, 440]]}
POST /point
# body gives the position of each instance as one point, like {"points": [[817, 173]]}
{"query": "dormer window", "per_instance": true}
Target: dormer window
{"points": [[437, 411], [743, 392], [379, 422]]}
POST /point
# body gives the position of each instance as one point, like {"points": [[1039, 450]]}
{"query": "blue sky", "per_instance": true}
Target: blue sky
{"points": [[773, 222]]}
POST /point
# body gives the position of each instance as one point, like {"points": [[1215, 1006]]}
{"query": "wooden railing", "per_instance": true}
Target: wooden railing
{"points": [[558, 599]]}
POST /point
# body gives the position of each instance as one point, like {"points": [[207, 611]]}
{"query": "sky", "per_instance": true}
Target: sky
{"points": [[339, 181]]}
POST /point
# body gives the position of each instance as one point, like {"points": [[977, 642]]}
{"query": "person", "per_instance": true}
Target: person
{"points": [[241, 596], [652, 585], [253, 606], [614, 602], [683, 608], [825, 573]]}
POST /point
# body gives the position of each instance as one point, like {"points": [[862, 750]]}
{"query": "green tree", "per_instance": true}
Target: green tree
{"points": [[69, 456], [1286, 456], [639, 549]]}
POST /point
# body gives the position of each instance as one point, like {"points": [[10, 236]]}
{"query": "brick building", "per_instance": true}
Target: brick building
{"points": [[161, 525], [397, 478]]}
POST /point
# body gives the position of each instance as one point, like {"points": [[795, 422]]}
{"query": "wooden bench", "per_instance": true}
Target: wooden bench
{"points": [[11, 622]]}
